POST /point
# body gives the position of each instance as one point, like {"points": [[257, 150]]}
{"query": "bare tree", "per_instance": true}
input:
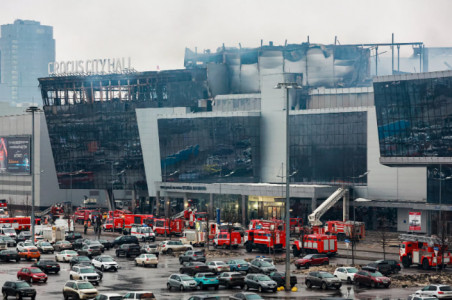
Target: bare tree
{"points": [[443, 239], [383, 236]]}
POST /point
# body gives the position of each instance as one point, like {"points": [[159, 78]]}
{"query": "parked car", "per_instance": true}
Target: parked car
{"points": [[206, 280], [231, 279], [245, 296], [79, 289], [312, 260], [18, 289], [109, 296], [31, 274], [345, 273], [8, 255], [10, 242], [84, 273], [421, 297], [440, 291], [385, 267], [90, 251], [265, 258], [78, 243], [238, 265], [260, 282], [168, 247], [125, 239], [204, 297], [181, 282], [140, 295], [324, 280], [150, 249], [95, 243], [105, 263], [47, 266], [280, 279], [128, 250], [45, 247], [30, 254], [192, 255], [107, 244], [80, 260], [372, 279], [62, 245], [261, 266], [146, 260], [72, 236], [23, 236], [218, 266], [65, 255], [194, 267], [22, 246]]}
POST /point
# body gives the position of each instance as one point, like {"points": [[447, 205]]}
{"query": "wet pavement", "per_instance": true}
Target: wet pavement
{"points": [[130, 278]]}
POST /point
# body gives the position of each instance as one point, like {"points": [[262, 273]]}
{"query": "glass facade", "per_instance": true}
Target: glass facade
{"points": [[215, 149], [414, 117], [439, 184], [329, 148]]}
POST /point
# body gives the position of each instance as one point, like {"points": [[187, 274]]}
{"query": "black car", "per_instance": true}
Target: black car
{"points": [[18, 289], [232, 279], [125, 239], [23, 236], [72, 236], [8, 255], [204, 297], [324, 280], [107, 244], [194, 267], [90, 251], [280, 279], [128, 250], [47, 266], [261, 266], [10, 242], [192, 255], [385, 267], [81, 259], [78, 243], [245, 296], [260, 282]]}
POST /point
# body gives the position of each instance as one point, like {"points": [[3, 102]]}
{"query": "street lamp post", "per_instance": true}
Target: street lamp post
{"points": [[33, 109], [287, 86]]}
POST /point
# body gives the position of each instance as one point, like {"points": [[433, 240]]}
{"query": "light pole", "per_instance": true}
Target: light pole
{"points": [[287, 86], [33, 109]]}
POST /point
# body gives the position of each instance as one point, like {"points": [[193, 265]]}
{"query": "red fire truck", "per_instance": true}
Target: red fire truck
{"points": [[3, 204], [168, 226], [227, 239], [316, 243], [344, 229], [18, 223], [265, 236], [420, 250], [122, 221]]}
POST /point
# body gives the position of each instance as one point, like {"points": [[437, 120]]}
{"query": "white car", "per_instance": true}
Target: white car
{"points": [[439, 291], [218, 266], [146, 259], [22, 246], [139, 295], [108, 296], [45, 247], [105, 263], [84, 273], [65, 255], [345, 273]]}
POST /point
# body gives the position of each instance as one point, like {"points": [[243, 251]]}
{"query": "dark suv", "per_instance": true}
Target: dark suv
{"points": [[125, 239], [18, 289], [385, 267], [324, 280], [312, 260], [280, 279], [90, 251], [72, 236], [128, 250], [232, 279], [192, 255], [260, 282]]}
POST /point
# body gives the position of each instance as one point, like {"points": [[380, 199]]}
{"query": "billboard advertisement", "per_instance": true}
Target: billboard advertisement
{"points": [[15, 155], [414, 221]]}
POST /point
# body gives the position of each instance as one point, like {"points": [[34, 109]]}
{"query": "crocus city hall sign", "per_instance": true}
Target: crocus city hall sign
{"points": [[90, 67]]}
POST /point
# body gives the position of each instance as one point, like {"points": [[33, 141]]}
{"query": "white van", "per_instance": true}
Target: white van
{"points": [[143, 233], [8, 231]]}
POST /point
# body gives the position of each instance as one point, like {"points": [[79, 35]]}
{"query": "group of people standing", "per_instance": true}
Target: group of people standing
{"points": [[96, 222]]}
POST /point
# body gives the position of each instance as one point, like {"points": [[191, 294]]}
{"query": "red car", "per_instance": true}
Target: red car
{"points": [[31, 274], [373, 279], [312, 260]]}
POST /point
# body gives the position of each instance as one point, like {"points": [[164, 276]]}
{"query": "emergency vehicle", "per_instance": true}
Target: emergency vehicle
{"points": [[143, 233], [18, 223], [316, 243], [227, 239], [265, 236], [168, 226], [420, 250], [344, 229], [3, 204]]}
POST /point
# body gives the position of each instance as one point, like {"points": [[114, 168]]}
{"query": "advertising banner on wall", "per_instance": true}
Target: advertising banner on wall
{"points": [[415, 221], [15, 155]]}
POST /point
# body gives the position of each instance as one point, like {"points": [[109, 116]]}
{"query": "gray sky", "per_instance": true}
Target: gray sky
{"points": [[155, 32]]}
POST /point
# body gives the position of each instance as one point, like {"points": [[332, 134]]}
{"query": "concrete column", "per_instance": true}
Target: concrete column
{"points": [[313, 203], [157, 203], [345, 207], [211, 209], [244, 210]]}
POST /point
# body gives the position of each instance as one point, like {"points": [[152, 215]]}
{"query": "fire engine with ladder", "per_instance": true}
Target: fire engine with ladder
{"points": [[420, 250], [265, 236]]}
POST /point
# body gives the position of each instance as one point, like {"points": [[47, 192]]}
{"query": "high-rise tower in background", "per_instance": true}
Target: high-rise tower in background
{"points": [[26, 48]]}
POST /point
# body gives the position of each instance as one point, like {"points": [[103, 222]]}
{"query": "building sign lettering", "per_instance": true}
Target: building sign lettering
{"points": [[90, 67]]}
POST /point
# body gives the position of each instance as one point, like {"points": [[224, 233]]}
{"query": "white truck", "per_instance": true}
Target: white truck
{"points": [[194, 237], [143, 233]]}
